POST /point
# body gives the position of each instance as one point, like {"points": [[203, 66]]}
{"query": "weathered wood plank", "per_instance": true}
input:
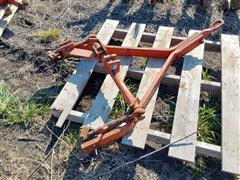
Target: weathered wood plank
{"points": [[147, 37], [212, 87], [230, 104], [75, 85], [74, 116], [102, 106], [138, 136], [170, 80], [6, 19], [2, 11], [155, 136], [201, 147], [186, 112]]}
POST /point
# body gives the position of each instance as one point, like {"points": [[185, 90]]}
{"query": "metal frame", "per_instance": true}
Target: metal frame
{"points": [[13, 2], [92, 47]]}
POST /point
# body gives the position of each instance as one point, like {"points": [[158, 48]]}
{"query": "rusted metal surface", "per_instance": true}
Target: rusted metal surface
{"points": [[107, 55], [13, 2]]}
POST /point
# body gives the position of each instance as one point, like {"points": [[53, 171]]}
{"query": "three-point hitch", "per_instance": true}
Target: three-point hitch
{"points": [[93, 48], [13, 2]]}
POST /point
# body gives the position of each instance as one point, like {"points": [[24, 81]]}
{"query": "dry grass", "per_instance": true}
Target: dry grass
{"points": [[50, 34], [77, 19]]}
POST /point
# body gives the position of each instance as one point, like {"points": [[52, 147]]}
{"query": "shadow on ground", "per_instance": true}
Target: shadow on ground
{"points": [[192, 16], [159, 166]]}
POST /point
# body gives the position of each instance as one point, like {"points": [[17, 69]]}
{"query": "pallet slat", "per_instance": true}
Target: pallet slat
{"points": [[147, 37], [186, 112], [138, 136], [230, 104], [5, 20], [212, 87], [74, 116], [70, 93], [2, 11], [202, 148], [105, 99], [170, 80]]}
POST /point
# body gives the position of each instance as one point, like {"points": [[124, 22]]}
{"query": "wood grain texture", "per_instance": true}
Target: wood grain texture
{"points": [[212, 87], [202, 148], [187, 106], [147, 37], [75, 85], [2, 11], [74, 116], [155, 136], [230, 104], [102, 105], [138, 136]]}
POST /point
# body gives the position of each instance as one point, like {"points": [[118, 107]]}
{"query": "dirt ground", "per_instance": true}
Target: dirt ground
{"points": [[25, 67]]}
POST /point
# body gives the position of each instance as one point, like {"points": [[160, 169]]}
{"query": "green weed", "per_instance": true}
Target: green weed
{"points": [[73, 138], [143, 62], [16, 110], [139, 62], [199, 168], [50, 34], [209, 126], [120, 106], [206, 75]]}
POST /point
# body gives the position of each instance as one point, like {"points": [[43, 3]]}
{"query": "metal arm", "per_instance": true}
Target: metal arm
{"points": [[13, 2], [93, 48]]}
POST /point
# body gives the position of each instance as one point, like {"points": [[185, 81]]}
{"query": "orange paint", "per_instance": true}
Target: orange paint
{"points": [[92, 47], [13, 2]]}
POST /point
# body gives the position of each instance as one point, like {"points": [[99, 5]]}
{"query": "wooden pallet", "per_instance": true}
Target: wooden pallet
{"points": [[190, 85], [5, 19]]}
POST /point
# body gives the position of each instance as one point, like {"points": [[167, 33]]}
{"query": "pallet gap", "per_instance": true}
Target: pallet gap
{"points": [[120, 107], [89, 92], [164, 109], [209, 124], [212, 66]]}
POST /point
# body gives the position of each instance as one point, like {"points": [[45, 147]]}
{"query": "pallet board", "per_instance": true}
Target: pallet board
{"points": [[214, 46], [6, 19], [202, 148], [190, 84], [75, 85], [138, 136], [170, 79], [230, 104], [2, 11], [105, 99], [186, 112]]}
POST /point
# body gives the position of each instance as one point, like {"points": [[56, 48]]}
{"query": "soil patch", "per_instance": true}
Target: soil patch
{"points": [[24, 67]]}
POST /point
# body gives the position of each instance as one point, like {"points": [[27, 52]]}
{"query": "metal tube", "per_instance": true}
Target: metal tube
{"points": [[142, 52], [127, 95], [156, 82]]}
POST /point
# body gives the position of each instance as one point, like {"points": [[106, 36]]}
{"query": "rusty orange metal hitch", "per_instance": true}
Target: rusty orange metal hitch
{"points": [[107, 55], [13, 2]]}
